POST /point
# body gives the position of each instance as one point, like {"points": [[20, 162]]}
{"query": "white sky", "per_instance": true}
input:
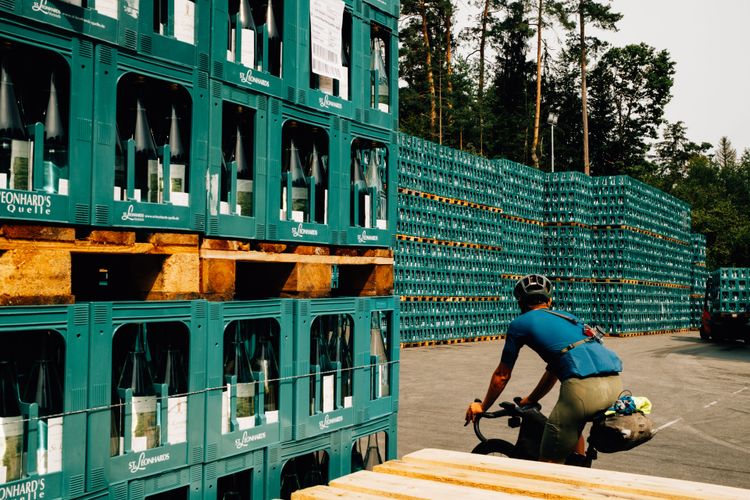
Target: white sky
{"points": [[710, 44]]}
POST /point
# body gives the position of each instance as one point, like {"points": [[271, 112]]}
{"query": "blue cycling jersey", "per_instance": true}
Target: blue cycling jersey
{"points": [[547, 335]]}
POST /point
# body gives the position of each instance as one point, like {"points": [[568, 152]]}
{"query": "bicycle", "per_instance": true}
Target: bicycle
{"points": [[530, 421]]}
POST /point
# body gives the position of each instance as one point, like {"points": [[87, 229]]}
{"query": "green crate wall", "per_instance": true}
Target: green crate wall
{"points": [[699, 277], [578, 230]]}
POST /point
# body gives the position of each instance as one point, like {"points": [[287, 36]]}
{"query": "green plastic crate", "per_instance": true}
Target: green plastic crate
{"points": [[265, 432], [39, 196], [179, 483], [185, 88], [245, 474], [70, 324], [189, 320], [231, 212]]}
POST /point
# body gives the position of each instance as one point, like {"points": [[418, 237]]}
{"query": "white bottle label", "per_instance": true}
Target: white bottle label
{"points": [[154, 181], [329, 387], [245, 197], [283, 211], [225, 409], [223, 208], [272, 416], [11, 448], [368, 212], [344, 84], [325, 84], [3, 181], [144, 433], [247, 51], [184, 21], [63, 187], [246, 405], [109, 8], [348, 401], [177, 419], [20, 165], [54, 445], [177, 178]]}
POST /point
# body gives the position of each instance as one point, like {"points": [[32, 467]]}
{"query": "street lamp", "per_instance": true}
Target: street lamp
{"points": [[552, 120]]}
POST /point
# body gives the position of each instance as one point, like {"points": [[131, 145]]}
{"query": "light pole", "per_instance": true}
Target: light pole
{"points": [[552, 120]]}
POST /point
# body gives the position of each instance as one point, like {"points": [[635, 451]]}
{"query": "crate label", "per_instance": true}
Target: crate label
{"points": [[363, 237], [49, 452], [109, 8], [143, 462], [247, 47], [130, 215], [28, 490], [300, 231], [326, 102], [329, 421], [246, 439], [326, 20], [25, 203], [249, 78], [43, 7]]}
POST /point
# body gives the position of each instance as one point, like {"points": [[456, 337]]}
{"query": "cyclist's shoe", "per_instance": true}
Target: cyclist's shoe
{"points": [[578, 460]]}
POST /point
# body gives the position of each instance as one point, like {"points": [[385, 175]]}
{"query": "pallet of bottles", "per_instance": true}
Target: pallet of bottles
{"points": [[64, 264], [429, 169], [567, 251], [568, 198], [156, 158], [423, 269], [429, 319], [621, 307], [627, 254], [728, 289], [523, 190], [624, 201], [140, 397]]}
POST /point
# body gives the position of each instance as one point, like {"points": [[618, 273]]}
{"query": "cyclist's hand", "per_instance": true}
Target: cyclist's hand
{"points": [[525, 402], [473, 409]]}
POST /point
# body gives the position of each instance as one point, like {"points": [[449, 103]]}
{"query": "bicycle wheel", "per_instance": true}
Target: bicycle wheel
{"points": [[496, 447]]}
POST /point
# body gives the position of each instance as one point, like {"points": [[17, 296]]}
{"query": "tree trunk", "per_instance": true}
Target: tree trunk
{"points": [[584, 109], [535, 143], [428, 65], [480, 90]]}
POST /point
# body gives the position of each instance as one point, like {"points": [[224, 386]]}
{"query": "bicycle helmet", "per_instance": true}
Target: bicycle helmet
{"points": [[533, 289]]}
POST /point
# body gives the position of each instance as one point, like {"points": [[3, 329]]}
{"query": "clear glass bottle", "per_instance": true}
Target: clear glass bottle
{"points": [[274, 42], [244, 177], [372, 455], [174, 376], [55, 144], [300, 210], [136, 375], [359, 189], [265, 362], [178, 163], [242, 35], [375, 183], [43, 388], [11, 425], [15, 167], [237, 364], [320, 185], [147, 169]]}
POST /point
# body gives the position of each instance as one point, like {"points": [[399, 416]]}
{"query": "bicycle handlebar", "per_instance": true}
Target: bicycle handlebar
{"points": [[508, 410]]}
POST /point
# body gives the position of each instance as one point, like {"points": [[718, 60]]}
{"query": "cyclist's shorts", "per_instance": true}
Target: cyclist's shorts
{"points": [[580, 399]]}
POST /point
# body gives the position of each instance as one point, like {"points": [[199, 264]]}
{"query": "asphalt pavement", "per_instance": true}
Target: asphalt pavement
{"points": [[700, 393]]}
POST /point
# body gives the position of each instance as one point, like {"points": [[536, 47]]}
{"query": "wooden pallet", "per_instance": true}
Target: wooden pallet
{"points": [[439, 474], [59, 265], [430, 343]]}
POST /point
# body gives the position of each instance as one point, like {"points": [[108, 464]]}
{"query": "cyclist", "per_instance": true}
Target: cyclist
{"points": [[588, 371]]}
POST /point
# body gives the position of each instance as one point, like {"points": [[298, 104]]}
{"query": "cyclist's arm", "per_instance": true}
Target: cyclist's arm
{"points": [[546, 383], [499, 380]]}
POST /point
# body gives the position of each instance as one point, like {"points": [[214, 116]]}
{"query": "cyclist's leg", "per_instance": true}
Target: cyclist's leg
{"points": [[563, 428]]}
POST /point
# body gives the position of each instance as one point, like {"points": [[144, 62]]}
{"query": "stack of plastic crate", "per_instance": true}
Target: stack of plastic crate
{"points": [[730, 289], [568, 242], [147, 133], [698, 278], [641, 242], [448, 254]]}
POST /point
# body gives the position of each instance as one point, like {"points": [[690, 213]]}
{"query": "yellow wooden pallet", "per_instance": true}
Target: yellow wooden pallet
{"points": [[440, 474]]}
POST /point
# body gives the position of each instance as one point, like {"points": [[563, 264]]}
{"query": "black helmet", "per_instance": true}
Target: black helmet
{"points": [[533, 289]]}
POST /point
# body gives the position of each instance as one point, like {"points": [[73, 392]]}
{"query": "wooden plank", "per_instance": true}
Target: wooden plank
{"points": [[536, 488], [390, 486], [619, 482], [35, 276], [37, 233], [329, 493], [289, 258], [366, 280]]}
